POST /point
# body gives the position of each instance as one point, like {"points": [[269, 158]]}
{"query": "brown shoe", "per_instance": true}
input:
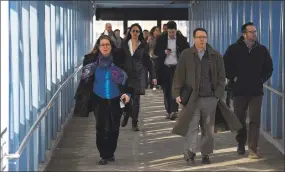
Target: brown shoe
{"points": [[189, 157]]}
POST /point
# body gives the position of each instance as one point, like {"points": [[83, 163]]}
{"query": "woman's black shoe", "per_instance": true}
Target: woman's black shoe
{"points": [[124, 121], [111, 159], [103, 162], [135, 126]]}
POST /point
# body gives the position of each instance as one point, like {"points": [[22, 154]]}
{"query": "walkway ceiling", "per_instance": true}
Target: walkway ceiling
{"points": [[141, 10]]}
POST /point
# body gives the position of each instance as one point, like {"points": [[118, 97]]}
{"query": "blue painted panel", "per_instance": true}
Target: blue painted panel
{"points": [[53, 65], [283, 68], [14, 82], [276, 82], [234, 22], [247, 11], [264, 39], [27, 73], [42, 76], [255, 14], [48, 71]]}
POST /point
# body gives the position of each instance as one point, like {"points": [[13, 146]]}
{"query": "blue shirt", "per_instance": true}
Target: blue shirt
{"points": [[103, 85]]}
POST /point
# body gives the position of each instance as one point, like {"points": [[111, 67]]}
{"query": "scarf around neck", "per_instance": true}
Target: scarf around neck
{"points": [[118, 75]]}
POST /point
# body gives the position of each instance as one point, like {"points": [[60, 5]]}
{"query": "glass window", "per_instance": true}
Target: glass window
{"points": [[146, 24], [99, 27]]}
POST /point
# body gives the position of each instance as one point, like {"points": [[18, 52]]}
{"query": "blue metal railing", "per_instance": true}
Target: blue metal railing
{"points": [[43, 114]]}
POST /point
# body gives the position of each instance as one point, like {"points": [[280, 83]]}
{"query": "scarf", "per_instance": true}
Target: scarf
{"points": [[118, 75]]}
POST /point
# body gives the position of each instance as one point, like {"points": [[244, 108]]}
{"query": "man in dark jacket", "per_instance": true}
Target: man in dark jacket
{"points": [[168, 48], [248, 66]]}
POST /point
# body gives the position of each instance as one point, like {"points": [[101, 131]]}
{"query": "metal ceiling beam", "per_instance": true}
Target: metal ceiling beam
{"points": [[141, 4]]}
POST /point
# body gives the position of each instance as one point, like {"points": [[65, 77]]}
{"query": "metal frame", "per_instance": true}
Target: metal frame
{"points": [[18, 153]]}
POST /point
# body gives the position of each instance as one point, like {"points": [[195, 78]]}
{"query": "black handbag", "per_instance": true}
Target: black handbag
{"points": [[185, 95]]}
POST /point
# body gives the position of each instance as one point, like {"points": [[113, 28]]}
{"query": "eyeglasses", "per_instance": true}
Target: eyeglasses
{"points": [[201, 37], [137, 31], [105, 45], [253, 32]]}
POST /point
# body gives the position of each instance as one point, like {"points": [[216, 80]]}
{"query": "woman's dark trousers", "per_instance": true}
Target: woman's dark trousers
{"points": [[108, 114], [132, 110]]}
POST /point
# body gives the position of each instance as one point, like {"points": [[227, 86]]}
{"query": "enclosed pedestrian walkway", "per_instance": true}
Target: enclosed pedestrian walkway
{"points": [[42, 47], [154, 148]]}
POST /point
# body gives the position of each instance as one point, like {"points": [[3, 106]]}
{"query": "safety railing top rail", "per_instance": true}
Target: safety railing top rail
{"points": [[274, 91], [42, 114]]}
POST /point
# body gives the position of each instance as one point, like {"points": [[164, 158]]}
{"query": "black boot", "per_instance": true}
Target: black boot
{"points": [[125, 121], [241, 149], [205, 159], [103, 162], [111, 159], [135, 126]]}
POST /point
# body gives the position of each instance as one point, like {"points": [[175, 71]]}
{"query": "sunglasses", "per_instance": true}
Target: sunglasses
{"points": [[137, 31]]}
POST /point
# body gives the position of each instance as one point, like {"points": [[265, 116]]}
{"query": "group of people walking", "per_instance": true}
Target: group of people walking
{"points": [[114, 77]]}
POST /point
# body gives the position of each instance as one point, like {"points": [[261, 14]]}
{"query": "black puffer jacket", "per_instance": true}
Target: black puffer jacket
{"points": [[251, 68]]}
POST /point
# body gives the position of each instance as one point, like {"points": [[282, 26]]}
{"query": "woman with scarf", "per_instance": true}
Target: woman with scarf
{"points": [[103, 83]]}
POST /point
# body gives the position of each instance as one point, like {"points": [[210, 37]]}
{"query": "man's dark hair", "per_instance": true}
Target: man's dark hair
{"points": [[171, 25], [243, 28], [199, 29], [145, 30], [116, 30]]}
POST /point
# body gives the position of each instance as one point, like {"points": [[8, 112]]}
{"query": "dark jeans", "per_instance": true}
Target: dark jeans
{"points": [[253, 104], [169, 102], [108, 115], [133, 108]]}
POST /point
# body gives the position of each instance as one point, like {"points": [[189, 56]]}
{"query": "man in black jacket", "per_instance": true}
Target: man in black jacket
{"points": [[168, 48], [248, 66]]}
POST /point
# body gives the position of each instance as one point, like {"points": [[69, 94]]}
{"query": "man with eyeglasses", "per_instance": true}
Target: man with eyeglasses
{"points": [[248, 66], [168, 48], [200, 69]]}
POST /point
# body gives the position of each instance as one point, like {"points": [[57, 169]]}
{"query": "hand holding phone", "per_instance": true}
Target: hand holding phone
{"points": [[167, 51], [125, 98], [122, 104]]}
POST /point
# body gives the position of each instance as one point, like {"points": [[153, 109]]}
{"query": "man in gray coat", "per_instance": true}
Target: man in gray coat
{"points": [[201, 68]]}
